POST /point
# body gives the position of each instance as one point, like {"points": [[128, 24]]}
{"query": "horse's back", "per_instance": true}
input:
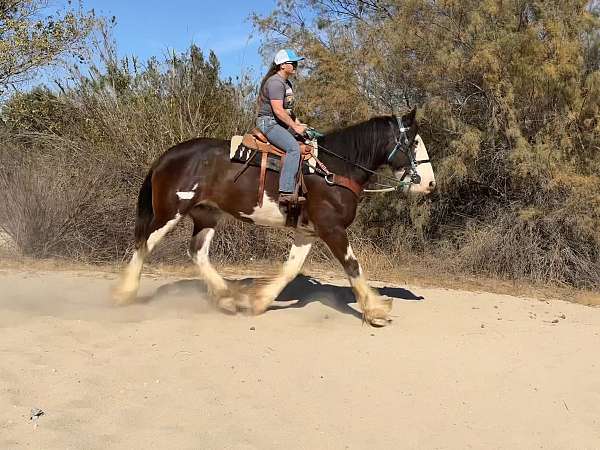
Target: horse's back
{"points": [[193, 149]]}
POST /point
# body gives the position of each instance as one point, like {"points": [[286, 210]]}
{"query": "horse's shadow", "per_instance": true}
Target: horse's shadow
{"points": [[302, 291]]}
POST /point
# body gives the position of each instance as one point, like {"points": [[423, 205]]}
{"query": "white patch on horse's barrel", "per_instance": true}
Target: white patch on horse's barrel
{"points": [[425, 170], [269, 214], [186, 195]]}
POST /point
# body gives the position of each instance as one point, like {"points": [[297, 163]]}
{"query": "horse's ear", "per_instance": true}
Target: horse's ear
{"points": [[409, 119]]}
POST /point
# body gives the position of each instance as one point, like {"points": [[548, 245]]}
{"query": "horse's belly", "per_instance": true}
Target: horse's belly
{"points": [[268, 214]]}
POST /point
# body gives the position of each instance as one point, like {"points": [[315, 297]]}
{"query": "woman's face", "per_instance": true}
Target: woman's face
{"points": [[289, 67]]}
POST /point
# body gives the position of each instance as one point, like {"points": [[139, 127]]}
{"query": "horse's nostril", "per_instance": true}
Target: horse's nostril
{"points": [[432, 184]]}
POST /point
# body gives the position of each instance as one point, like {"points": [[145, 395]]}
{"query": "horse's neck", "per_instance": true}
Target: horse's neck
{"points": [[371, 160]]}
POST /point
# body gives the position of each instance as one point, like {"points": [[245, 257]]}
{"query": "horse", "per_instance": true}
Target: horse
{"points": [[196, 178]]}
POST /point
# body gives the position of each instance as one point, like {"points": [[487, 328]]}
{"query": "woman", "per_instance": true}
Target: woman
{"points": [[276, 118]]}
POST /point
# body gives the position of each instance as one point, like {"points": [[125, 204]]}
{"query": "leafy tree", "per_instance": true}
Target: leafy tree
{"points": [[31, 37]]}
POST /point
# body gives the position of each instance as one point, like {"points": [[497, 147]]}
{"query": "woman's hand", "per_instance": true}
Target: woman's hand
{"points": [[299, 128]]}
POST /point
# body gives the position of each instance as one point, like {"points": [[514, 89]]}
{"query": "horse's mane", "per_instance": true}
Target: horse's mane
{"points": [[363, 143]]}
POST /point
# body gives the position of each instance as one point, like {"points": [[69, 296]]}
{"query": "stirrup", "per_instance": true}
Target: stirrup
{"points": [[289, 198]]}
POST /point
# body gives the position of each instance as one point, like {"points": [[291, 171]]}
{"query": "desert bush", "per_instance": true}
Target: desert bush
{"points": [[72, 161], [509, 98], [527, 245]]}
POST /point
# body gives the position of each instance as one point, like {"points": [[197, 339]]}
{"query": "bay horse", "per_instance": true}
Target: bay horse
{"points": [[197, 179]]}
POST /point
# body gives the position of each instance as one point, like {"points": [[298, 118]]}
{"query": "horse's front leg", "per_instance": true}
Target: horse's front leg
{"points": [[376, 309], [267, 293]]}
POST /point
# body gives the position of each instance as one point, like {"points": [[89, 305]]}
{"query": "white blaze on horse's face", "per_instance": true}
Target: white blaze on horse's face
{"points": [[424, 170]]}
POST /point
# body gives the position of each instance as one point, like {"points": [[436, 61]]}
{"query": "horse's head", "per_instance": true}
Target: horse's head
{"points": [[409, 159]]}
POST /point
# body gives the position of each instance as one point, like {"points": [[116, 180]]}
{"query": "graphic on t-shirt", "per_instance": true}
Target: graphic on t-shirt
{"points": [[289, 100]]}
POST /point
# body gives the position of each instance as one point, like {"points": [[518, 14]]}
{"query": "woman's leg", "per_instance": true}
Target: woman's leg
{"points": [[282, 138]]}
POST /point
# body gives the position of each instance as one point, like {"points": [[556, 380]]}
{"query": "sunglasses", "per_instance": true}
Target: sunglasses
{"points": [[294, 64]]}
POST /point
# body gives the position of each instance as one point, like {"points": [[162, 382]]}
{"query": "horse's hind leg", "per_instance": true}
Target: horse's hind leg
{"points": [[375, 308], [266, 294], [126, 291], [205, 219]]}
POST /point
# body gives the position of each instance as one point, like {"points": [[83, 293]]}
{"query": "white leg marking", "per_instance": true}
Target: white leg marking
{"points": [[292, 266], [129, 284], [269, 214], [215, 282], [362, 290], [375, 308], [350, 255], [157, 235], [130, 280]]}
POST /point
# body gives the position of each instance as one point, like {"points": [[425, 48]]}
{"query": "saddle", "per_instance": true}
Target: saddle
{"points": [[246, 149], [256, 140]]}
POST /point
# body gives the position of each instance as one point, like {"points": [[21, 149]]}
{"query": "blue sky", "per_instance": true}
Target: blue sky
{"points": [[153, 27]]}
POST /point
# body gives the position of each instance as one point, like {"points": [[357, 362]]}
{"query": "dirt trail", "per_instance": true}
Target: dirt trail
{"points": [[455, 370]]}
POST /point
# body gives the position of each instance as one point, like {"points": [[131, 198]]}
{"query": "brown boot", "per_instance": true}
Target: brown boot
{"points": [[288, 198]]}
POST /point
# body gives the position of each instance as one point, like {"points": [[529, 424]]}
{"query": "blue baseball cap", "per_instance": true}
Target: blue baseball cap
{"points": [[286, 55]]}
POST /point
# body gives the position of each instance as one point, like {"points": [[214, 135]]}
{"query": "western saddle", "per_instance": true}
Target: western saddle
{"points": [[257, 141]]}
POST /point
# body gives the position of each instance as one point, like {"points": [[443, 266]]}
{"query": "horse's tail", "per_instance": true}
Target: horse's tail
{"points": [[145, 213]]}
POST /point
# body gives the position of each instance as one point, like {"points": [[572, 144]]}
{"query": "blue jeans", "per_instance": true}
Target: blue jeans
{"points": [[283, 139]]}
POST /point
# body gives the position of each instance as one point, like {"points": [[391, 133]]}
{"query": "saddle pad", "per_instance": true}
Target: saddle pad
{"points": [[239, 153], [236, 141], [273, 161]]}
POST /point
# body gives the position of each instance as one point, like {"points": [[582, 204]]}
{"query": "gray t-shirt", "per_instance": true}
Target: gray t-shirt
{"points": [[276, 88]]}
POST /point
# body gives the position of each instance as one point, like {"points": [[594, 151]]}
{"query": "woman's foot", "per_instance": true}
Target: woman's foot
{"points": [[287, 198]]}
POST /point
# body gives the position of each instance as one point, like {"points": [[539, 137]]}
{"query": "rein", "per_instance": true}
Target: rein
{"points": [[401, 184]]}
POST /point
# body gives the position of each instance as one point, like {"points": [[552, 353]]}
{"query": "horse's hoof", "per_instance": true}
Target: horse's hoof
{"points": [[123, 298], [258, 307], [379, 323], [386, 303], [227, 305], [242, 302]]}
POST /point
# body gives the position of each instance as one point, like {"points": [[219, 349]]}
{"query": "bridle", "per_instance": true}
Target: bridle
{"points": [[403, 145]]}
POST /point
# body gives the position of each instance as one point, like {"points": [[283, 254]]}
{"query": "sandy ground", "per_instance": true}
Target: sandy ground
{"points": [[455, 370]]}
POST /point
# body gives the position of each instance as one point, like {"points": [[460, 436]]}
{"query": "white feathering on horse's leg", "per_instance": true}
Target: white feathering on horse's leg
{"points": [[269, 292], [375, 308], [126, 290], [217, 286]]}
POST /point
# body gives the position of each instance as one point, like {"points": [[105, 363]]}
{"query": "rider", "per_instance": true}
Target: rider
{"points": [[277, 120]]}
